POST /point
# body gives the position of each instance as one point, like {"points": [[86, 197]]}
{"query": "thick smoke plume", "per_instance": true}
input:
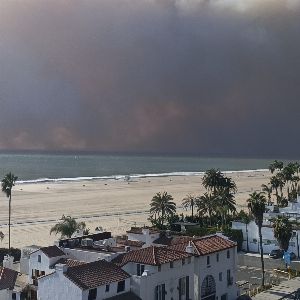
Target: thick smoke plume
{"points": [[206, 76]]}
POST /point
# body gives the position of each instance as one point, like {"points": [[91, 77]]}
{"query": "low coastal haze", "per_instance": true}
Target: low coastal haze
{"points": [[201, 77]]}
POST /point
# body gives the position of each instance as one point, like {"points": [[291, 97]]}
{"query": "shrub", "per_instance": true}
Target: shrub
{"points": [[236, 235]]}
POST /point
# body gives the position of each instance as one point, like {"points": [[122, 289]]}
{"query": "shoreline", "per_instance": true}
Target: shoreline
{"points": [[116, 205]]}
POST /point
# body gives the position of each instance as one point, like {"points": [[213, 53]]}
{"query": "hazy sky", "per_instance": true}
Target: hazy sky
{"points": [[199, 76]]}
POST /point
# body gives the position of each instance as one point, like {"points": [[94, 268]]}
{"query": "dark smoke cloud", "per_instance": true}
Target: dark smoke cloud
{"points": [[208, 77]]}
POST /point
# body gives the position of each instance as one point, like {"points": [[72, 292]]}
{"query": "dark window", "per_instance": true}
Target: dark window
{"points": [[224, 297], [171, 265], [228, 253], [220, 276], [14, 296], [160, 292], [217, 257], [121, 286], [208, 261], [92, 294], [140, 269], [39, 258], [107, 288], [229, 278]]}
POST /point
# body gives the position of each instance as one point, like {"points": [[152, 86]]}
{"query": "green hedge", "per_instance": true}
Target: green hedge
{"points": [[235, 235]]}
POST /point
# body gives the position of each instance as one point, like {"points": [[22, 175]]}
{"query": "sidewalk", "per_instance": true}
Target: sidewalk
{"points": [[280, 291]]}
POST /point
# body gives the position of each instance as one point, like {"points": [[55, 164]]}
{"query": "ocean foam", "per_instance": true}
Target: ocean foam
{"points": [[131, 176]]}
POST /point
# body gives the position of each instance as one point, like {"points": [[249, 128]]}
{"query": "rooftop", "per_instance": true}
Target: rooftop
{"points": [[69, 262], [94, 274], [52, 251], [152, 255], [139, 230], [8, 278], [205, 245]]}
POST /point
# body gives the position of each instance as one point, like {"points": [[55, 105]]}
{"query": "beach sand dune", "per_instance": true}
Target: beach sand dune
{"points": [[116, 205]]}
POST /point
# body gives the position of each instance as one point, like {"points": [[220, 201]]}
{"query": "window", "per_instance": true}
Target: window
{"points": [[229, 278], [183, 287], [217, 257], [121, 286], [92, 294], [39, 258], [183, 261], [14, 296], [208, 261], [224, 297], [220, 276], [160, 292], [107, 288], [140, 269], [228, 253], [171, 264], [159, 268]]}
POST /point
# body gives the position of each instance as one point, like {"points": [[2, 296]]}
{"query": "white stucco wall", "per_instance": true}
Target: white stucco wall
{"points": [[145, 286]]}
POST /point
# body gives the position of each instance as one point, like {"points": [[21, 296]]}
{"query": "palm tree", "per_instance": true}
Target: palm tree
{"points": [[163, 205], [206, 205], [212, 179], [267, 189], [68, 226], [224, 203], [257, 207], [8, 182], [245, 218], [276, 165], [283, 231], [189, 202]]}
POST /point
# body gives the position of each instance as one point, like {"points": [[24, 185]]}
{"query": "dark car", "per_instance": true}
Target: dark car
{"points": [[276, 253]]}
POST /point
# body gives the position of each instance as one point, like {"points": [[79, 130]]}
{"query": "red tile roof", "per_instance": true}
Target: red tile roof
{"points": [[205, 245], [95, 274], [7, 278], [152, 255], [69, 262], [52, 251]]}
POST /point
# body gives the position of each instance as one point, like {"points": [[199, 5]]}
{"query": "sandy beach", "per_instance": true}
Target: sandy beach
{"points": [[115, 205]]}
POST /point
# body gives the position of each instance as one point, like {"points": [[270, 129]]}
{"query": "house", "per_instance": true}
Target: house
{"points": [[159, 273], [85, 281], [145, 235], [214, 266], [42, 260]]}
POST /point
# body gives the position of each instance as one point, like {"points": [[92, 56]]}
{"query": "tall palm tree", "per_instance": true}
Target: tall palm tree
{"points": [[163, 205], [68, 226], [206, 205], [257, 207], [189, 202], [276, 165], [8, 182], [283, 231], [212, 179], [224, 203], [275, 183], [267, 190]]}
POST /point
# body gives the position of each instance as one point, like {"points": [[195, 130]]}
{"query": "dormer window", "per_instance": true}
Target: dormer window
{"points": [[39, 258]]}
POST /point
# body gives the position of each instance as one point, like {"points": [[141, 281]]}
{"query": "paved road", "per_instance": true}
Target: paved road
{"points": [[249, 270]]}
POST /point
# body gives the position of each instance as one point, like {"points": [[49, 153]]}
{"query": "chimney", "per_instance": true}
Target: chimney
{"points": [[127, 248], [189, 248], [8, 262], [146, 273], [145, 231], [61, 268]]}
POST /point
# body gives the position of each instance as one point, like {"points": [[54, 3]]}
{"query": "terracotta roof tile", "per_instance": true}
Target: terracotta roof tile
{"points": [[94, 274], [152, 255], [205, 245], [69, 262], [8, 278], [52, 251]]}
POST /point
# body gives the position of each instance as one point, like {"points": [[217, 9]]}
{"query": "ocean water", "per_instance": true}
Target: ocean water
{"points": [[53, 167]]}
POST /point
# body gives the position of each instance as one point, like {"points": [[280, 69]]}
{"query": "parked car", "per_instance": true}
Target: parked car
{"points": [[276, 253]]}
